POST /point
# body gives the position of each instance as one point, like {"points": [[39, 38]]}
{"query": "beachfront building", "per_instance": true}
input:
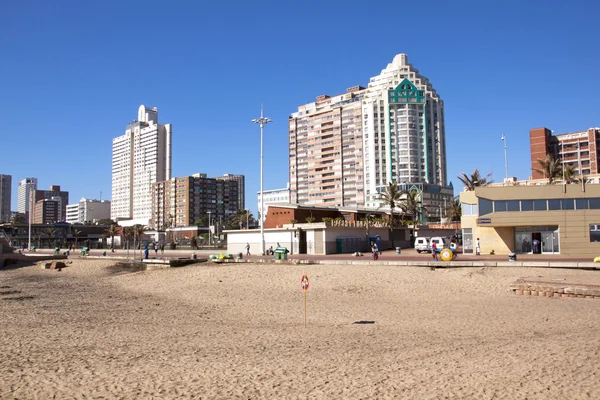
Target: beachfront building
{"points": [[562, 218], [88, 211], [344, 149], [140, 157], [5, 197], [180, 202], [273, 196], [57, 195], [47, 211], [25, 192], [579, 150], [241, 189]]}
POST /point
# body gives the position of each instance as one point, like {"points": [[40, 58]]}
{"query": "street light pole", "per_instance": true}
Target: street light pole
{"points": [[505, 156], [262, 121], [209, 228]]}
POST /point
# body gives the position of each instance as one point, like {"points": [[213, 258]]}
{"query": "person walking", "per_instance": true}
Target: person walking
{"points": [[374, 251], [162, 248], [247, 249], [536, 246], [433, 250], [477, 248], [155, 248]]}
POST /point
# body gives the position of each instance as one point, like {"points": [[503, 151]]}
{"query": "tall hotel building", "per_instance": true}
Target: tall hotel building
{"points": [[5, 196], [346, 148], [141, 157], [25, 192]]}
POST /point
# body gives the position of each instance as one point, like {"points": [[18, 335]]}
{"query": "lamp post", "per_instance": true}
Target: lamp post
{"points": [[262, 121], [505, 157], [247, 218], [209, 227]]}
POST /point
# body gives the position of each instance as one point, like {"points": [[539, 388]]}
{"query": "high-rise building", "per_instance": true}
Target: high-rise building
{"points": [[5, 194], [88, 210], [140, 157], [579, 150], [26, 188], [240, 179], [55, 193], [182, 201], [346, 148], [47, 211]]}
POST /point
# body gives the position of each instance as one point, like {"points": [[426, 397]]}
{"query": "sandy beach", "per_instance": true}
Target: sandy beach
{"points": [[237, 331]]}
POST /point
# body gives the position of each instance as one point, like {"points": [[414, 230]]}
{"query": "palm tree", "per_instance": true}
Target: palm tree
{"points": [[474, 180], [138, 230], [391, 197], [411, 204], [570, 174], [76, 233], [126, 235], [550, 167], [50, 233], [111, 232], [454, 211]]}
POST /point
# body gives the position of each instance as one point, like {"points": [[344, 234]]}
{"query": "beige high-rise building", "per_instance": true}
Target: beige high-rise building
{"points": [[345, 149]]}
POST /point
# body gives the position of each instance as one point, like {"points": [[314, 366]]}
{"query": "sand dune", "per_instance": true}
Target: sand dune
{"points": [[237, 331]]}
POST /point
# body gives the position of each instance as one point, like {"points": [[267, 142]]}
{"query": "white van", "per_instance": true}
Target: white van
{"points": [[439, 241], [422, 244]]}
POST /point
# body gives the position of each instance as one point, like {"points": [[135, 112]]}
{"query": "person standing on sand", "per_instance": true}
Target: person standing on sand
{"points": [[433, 250], [247, 249], [162, 248], [375, 251], [477, 248]]}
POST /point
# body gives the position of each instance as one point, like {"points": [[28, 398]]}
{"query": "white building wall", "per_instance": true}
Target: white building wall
{"points": [[237, 240], [26, 186], [72, 213], [273, 196]]}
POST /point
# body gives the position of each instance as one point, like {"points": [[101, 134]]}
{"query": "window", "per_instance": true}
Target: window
{"points": [[581, 204], [594, 232], [568, 204], [526, 205], [539, 205], [594, 204], [499, 205], [512, 205], [485, 207], [554, 205]]}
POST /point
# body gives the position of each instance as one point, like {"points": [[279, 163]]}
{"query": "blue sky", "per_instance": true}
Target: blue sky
{"points": [[73, 74]]}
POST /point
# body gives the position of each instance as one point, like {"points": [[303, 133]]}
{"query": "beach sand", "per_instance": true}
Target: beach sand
{"points": [[237, 331]]}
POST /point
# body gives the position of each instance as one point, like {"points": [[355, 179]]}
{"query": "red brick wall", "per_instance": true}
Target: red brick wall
{"points": [[539, 141]]}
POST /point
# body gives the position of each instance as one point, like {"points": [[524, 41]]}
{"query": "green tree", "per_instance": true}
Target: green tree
{"points": [[391, 198], [126, 236], [454, 211], [111, 232], [202, 221], [550, 167], [17, 219], [106, 221], [76, 233], [138, 231], [571, 175], [411, 204], [50, 234], [474, 180]]}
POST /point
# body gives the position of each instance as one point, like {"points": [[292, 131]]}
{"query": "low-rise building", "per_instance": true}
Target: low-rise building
{"points": [[512, 218], [88, 210]]}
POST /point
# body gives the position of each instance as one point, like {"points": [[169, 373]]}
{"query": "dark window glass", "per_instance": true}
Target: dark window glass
{"points": [[594, 233], [499, 205], [568, 204], [485, 207], [554, 205], [526, 205], [539, 205], [581, 204], [594, 204], [512, 205]]}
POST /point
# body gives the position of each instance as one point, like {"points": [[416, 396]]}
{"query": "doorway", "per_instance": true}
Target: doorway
{"points": [[536, 241]]}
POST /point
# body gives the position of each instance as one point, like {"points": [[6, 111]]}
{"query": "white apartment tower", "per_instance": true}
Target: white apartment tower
{"points": [[403, 129], [344, 149], [26, 189], [140, 157]]}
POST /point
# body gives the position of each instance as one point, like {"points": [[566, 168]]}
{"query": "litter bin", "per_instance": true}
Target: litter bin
{"points": [[85, 251], [281, 253], [56, 251], [398, 250], [240, 256], [512, 257]]}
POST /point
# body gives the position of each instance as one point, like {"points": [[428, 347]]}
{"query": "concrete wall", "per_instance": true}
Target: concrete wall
{"points": [[237, 240]]}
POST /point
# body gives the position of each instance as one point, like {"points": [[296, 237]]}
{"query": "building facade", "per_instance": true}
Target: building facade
{"points": [[88, 211], [58, 195], [5, 197], [241, 182], [182, 201], [578, 150], [26, 188], [563, 219], [344, 150], [273, 196], [47, 211], [140, 158]]}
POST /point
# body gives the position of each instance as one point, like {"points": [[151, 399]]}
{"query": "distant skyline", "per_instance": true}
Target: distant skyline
{"points": [[74, 74]]}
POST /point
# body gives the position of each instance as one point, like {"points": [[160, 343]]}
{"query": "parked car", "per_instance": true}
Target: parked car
{"points": [[422, 244], [440, 242]]}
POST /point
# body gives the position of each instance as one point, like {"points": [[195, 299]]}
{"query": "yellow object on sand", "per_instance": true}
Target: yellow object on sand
{"points": [[446, 254], [597, 259]]}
